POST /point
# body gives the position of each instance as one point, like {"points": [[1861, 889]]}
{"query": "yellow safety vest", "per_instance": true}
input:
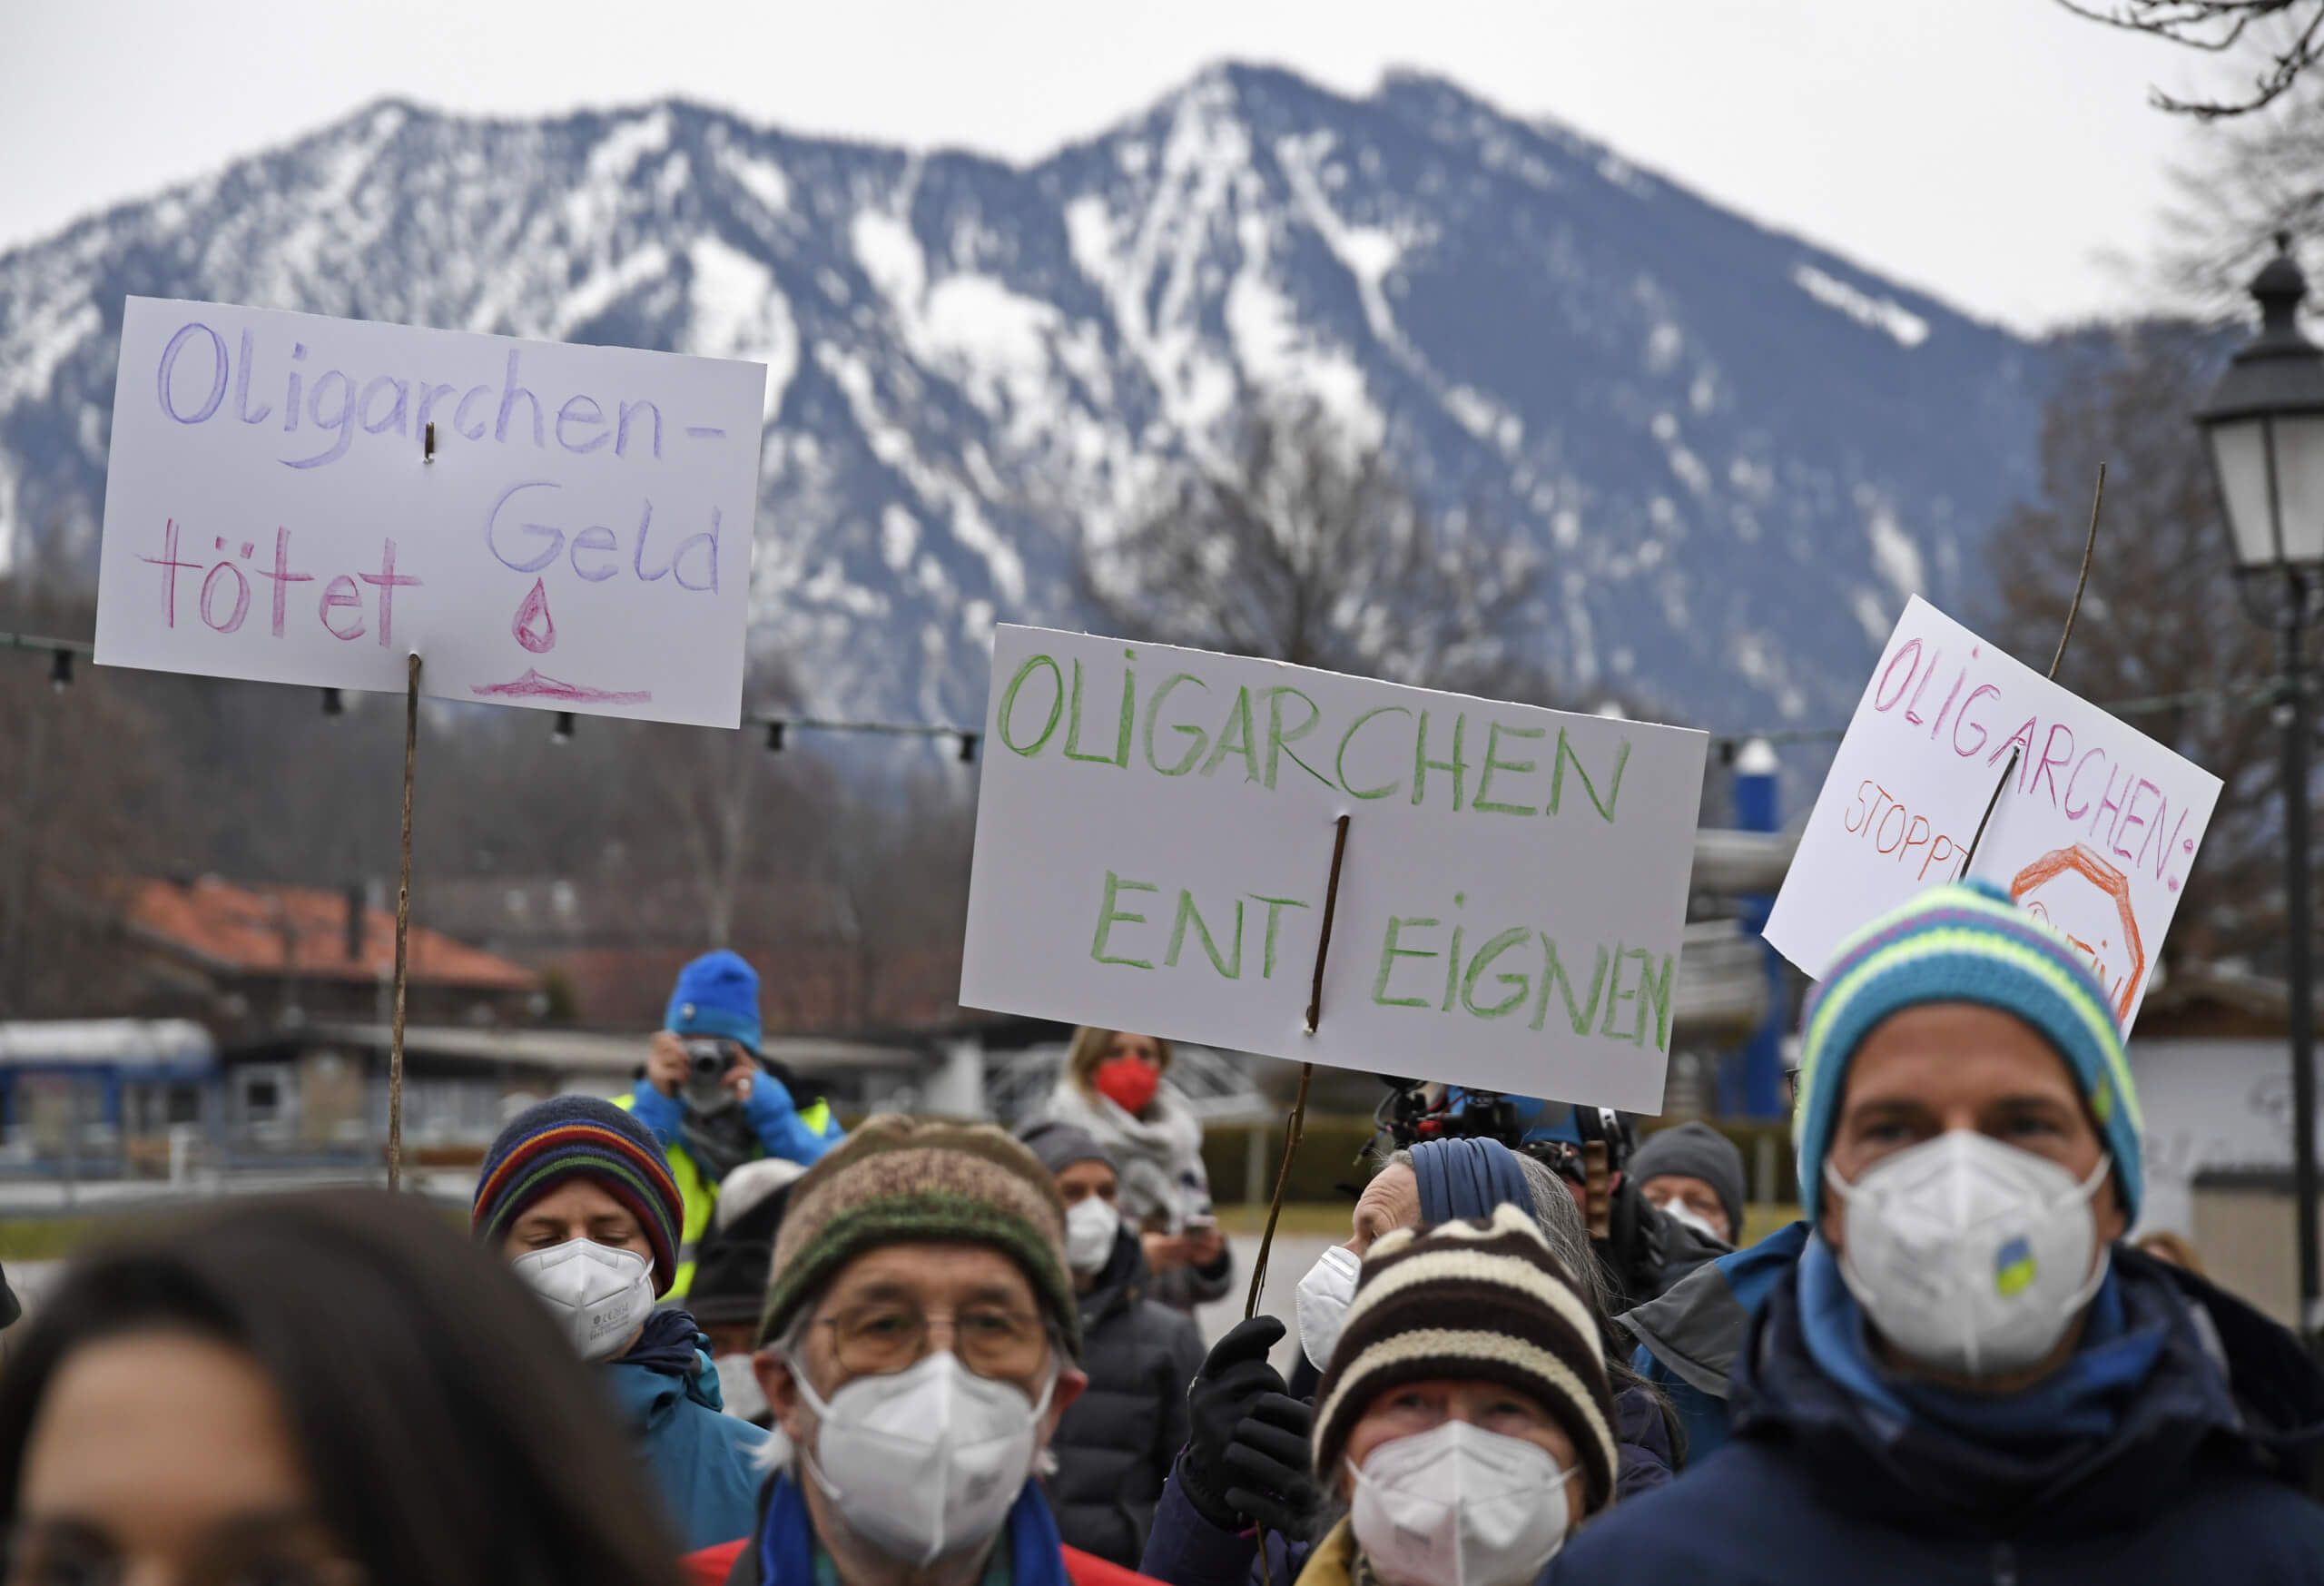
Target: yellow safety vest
{"points": [[699, 1195]]}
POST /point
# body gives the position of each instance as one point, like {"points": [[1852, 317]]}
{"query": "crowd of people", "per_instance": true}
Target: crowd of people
{"points": [[697, 1332]]}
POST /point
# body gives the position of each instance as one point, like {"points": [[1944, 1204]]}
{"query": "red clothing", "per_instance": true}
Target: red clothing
{"points": [[711, 1566]]}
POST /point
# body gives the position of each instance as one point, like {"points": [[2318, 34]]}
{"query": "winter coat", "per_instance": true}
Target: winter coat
{"points": [[780, 1547], [700, 1456], [2194, 1476], [1116, 1443], [1185, 1548], [1164, 1185], [1687, 1337]]}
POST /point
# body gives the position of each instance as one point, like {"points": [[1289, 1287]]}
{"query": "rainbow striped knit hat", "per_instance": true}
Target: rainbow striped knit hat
{"points": [[580, 1137], [1965, 943]]}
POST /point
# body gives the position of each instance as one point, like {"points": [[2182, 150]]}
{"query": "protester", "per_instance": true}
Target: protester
{"points": [[1112, 1085], [917, 1347], [1240, 1478], [1118, 1441], [713, 1102], [1694, 1174], [731, 1281], [1967, 1375], [1464, 1420], [1689, 1336], [328, 1390], [575, 1195]]}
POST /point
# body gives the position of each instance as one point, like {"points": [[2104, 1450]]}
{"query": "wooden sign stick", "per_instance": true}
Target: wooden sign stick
{"points": [[403, 926]]}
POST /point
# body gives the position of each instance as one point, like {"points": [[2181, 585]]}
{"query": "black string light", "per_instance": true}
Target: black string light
{"points": [[333, 705], [775, 737], [60, 669], [562, 733]]}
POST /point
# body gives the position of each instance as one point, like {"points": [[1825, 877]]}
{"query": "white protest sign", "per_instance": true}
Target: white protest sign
{"points": [[2096, 829], [581, 541], [1153, 847]]}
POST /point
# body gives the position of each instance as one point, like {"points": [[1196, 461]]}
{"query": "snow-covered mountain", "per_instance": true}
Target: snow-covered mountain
{"points": [[1735, 454]]}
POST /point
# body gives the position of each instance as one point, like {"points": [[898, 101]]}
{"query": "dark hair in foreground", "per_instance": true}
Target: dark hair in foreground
{"points": [[451, 1435]]}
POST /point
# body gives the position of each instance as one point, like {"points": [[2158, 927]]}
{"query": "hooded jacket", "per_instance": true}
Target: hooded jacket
{"points": [[2195, 1476], [1116, 1443], [1688, 1335], [701, 1457]]}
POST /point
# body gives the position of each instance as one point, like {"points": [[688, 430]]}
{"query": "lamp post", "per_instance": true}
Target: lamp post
{"points": [[2264, 424]]}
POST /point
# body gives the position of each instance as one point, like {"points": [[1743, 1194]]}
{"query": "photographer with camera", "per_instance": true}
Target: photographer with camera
{"points": [[713, 1102]]}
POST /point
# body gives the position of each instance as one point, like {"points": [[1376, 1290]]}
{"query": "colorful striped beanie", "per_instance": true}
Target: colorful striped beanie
{"points": [[901, 1181], [581, 1137], [1965, 943], [1481, 1299]]}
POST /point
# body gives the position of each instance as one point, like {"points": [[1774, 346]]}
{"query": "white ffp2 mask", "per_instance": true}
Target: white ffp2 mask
{"points": [[1457, 1506], [599, 1295], [1090, 1224], [739, 1394], [1321, 1302], [1969, 1255], [926, 1461]]}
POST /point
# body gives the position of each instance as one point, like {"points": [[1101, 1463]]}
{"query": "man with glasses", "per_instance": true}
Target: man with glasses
{"points": [[917, 1347]]}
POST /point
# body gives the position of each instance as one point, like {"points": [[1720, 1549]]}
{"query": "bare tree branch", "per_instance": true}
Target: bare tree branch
{"points": [[2218, 27]]}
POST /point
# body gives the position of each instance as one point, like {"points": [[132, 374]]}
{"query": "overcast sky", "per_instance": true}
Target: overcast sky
{"points": [[1998, 152]]}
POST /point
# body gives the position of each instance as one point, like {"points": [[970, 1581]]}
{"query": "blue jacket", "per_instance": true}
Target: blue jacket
{"points": [[2196, 1478], [1688, 1336], [700, 1456]]}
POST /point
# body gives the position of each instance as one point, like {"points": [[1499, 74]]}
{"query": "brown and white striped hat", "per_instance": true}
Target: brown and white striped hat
{"points": [[1466, 1301]]}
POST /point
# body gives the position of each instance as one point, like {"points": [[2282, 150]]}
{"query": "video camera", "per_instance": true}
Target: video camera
{"points": [[1588, 1147]]}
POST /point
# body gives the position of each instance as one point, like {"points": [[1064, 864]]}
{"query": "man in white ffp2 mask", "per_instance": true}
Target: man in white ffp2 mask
{"points": [[575, 1196], [918, 1348], [1967, 1375]]}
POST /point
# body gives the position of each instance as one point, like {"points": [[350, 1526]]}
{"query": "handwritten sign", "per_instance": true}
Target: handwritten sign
{"points": [[580, 542], [2095, 832], [1154, 845]]}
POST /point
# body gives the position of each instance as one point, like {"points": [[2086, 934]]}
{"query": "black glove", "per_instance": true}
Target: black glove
{"points": [[1269, 1465], [1235, 1376]]}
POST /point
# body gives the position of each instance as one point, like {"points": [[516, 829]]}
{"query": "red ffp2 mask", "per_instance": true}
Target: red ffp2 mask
{"points": [[1127, 1082]]}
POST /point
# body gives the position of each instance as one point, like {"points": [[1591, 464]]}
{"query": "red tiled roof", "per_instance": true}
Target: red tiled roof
{"points": [[261, 928]]}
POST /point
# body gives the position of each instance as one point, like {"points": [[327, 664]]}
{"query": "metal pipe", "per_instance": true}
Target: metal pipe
{"points": [[2297, 952]]}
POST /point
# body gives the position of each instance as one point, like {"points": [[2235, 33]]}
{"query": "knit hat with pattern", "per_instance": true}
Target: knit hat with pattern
{"points": [[901, 1181], [581, 1137], [1478, 1300], [1967, 942]]}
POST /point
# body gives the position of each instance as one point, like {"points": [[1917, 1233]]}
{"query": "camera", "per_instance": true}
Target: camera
{"points": [[706, 1066]]}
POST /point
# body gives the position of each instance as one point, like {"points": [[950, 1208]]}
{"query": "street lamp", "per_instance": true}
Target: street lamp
{"points": [[2265, 427]]}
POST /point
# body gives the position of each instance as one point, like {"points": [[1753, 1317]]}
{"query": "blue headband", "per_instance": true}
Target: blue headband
{"points": [[1467, 1178]]}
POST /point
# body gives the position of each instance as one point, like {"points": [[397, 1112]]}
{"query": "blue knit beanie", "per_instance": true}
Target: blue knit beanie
{"points": [[718, 994], [1965, 943], [581, 1137]]}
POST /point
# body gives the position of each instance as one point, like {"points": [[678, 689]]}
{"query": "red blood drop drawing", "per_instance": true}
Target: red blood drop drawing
{"points": [[535, 629]]}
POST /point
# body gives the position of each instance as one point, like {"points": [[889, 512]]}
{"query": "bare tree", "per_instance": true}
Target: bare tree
{"points": [[1306, 547], [2288, 35], [2161, 618]]}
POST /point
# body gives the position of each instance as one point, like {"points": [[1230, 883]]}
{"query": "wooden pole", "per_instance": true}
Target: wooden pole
{"points": [[2089, 546], [403, 926]]}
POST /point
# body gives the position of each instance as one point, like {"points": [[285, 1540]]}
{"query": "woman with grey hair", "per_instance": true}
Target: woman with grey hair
{"points": [[1246, 1462]]}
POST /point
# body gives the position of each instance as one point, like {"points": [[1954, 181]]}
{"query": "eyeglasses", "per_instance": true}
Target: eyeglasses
{"points": [[885, 1336], [78, 1559]]}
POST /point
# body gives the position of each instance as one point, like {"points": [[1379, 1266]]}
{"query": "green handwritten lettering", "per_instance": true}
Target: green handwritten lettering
{"points": [[1108, 916], [1616, 996], [1073, 726], [1515, 767], [1200, 739], [1423, 764], [1486, 957], [1654, 989], [1187, 911], [1389, 952], [1279, 742], [1009, 703], [1553, 974], [1614, 792], [1235, 738], [1387, 789], [1276, 906]]}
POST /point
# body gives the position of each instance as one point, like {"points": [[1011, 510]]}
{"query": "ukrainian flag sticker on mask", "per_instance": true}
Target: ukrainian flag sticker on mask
{"points": [[2012, 1266]]}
